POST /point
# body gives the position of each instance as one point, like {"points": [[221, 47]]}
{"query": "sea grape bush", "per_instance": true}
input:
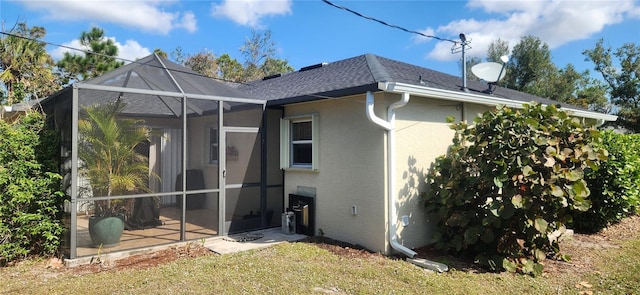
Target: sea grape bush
{"points": [[510, 183], [30, 197], [615, 187]]}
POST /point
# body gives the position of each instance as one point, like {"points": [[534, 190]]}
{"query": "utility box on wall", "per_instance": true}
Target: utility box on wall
{"points": [[304, 209]]}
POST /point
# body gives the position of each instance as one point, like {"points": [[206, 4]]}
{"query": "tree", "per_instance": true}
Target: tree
{"points": [[99, 58], [272, 66], [591, 94], [26, 67], [623, 80], [230, 68], [256, 49], [497, 49], [259, 56], [259, 61], [578, 89], [471, 61], [160, 53], [107, 147], [178, 55], [529, 65], [203, 62]]}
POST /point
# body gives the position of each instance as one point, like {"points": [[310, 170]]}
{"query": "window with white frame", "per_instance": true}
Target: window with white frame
{"points": [[299, 141]]}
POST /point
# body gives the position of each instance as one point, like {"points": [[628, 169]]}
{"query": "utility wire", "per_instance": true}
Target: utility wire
{"points": [[117, 58], [387, 24]]}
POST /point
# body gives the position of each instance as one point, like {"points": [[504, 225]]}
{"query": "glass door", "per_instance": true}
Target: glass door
{"points": [[241, 208]]}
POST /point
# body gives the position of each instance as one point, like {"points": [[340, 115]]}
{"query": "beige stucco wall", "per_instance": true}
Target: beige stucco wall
{"points": [[352, 168], [422, 134], [351, 172]]}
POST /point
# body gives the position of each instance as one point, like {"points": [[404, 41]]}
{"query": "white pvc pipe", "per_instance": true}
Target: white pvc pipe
{"points": [[389, 126]]}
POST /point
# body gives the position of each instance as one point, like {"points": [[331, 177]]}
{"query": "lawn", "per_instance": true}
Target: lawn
{"points": [[605, 263]]}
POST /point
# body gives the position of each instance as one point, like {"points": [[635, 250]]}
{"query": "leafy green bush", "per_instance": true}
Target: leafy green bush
{"points": [[615, 187], [30, 196], [509, 184]]}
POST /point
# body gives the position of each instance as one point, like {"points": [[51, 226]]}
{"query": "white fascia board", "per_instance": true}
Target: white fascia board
{"points": [[168, 93], [479, 99]]}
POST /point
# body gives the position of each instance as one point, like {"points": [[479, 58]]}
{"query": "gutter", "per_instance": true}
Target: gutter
{"points": [[395, 87], [389, 126]]}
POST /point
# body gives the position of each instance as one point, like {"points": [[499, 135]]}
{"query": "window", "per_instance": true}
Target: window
{"points": [[213, 145], [299, 142]]}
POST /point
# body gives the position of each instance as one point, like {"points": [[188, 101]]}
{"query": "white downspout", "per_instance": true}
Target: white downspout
{"points": [[389, 126]]}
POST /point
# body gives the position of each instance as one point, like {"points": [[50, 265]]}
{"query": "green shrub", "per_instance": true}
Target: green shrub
{"points": [[509, 184], [30, 196], [615, 187]]}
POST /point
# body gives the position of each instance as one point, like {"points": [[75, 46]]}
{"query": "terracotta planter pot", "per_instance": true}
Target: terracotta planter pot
{"points": [[106, 231]]}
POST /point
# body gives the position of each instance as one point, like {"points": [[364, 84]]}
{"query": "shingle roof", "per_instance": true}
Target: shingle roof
{"points": [[362, 73]]}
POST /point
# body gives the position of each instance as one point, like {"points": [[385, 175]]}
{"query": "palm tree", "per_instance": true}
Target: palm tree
{"points": [[107, 148], [25, 66]]}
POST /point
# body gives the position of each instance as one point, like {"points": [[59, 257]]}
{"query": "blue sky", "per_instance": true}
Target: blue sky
{"points": [[308, 32]]}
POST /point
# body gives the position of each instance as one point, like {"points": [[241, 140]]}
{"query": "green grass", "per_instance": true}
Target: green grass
{"points": [[619, 271], [300, 268]]}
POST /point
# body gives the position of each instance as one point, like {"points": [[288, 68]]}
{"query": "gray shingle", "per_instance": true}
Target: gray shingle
{"points": [[361, 73]]}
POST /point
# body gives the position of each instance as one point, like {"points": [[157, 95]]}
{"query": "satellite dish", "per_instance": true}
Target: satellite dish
{"points": [[491, 72]]}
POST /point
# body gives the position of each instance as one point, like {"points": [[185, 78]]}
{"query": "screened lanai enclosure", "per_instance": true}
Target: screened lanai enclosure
{"points": [[174, 155]]}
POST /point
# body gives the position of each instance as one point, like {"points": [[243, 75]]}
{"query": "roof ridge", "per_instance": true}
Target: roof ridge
{"points": [[378, 71]]}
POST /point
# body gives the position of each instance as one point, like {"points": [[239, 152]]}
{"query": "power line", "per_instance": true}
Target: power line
{"points": [[387, 24], [115, 57]]}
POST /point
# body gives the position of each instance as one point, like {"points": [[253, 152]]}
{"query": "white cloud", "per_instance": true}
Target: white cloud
{"points": [[148, 16], [250, 12], [555, 22], [188, 22], [130, 50]]}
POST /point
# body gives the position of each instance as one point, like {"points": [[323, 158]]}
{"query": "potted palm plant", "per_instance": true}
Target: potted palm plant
{"points": [[107, 150]]}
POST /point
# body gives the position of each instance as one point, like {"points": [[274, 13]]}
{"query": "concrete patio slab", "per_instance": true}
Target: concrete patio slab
{"points": [[249, 241]]}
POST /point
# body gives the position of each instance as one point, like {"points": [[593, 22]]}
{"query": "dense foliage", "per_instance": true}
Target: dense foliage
{"points": [[615, 187], [99, 58], [622, 79], [530, 69], [508, 185], [107, 147], [26, 69], [259, 54], [30, 197]]}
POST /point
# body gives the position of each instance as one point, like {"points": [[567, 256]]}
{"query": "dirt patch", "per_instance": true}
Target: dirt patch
{"points": [[340, 248], [583, 249], [586, 249], [142, 261]]}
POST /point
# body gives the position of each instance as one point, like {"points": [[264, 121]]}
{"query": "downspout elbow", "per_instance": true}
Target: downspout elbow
{"points": [[371, 115], [401, 248], [398, 104]]}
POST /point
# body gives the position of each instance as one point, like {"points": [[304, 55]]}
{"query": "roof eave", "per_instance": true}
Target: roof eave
{"points": [[324, 95], [479, 99]]}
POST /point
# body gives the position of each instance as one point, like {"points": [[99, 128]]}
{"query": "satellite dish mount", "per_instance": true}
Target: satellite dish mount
{"points": [[464, 44]]}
